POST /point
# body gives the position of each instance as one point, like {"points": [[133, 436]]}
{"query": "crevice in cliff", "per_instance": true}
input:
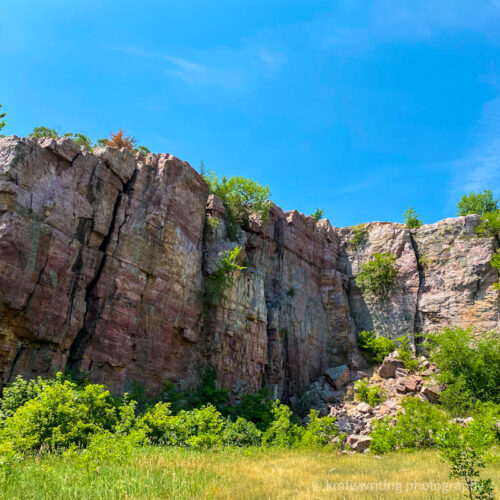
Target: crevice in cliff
{"points": [[82, 339], [421, 280]]}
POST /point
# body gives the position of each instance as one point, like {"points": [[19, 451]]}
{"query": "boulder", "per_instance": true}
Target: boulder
{"points": [[359, 443], [364, 408], [338, 376], [431, 393], [389, 367]]}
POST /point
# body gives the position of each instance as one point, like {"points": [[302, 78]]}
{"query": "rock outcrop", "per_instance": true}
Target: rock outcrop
{"points": [[105, 256]]}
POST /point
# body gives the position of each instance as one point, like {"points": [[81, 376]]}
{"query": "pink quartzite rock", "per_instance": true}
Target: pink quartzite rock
{"points": [[389, 367]]}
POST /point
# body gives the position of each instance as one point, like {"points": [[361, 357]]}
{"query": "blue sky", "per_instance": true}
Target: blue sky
{"points": [[360, 107]]}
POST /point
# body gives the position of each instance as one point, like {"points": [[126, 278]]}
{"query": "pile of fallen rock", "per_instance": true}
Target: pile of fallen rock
{"points": [[333, 394]]}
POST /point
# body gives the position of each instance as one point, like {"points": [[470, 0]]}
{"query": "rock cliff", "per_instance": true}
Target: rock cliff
{"points": [[104, 258]]}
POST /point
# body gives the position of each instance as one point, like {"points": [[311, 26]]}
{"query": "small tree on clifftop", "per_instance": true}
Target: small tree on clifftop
{"points": [[477, 203], [3, 123]]}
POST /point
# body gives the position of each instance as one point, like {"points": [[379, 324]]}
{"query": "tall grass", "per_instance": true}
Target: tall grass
{"points": [[233, 474]]}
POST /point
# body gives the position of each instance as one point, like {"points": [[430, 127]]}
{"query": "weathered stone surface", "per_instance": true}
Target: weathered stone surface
{"points": [[105, 256], [359, 443], [389, 367], [338, 376], [456, 276], [394, 316]]}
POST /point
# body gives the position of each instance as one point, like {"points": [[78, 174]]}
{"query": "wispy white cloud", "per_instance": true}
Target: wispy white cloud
{"points": [[224, 67], [480, 168]]}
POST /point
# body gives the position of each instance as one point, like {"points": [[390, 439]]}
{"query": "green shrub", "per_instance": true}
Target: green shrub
{"points": [[282, 432], [405, 353], [80, 139], [256, 407], [241, 433], [106, 448], [40, 132], [372, 395], [375, 347], [359, 233], [241, 197], [142, 149], [319, 431], [3, 123], [495, 263], [490, 224], [19, 392], [61, 415], [377, 277], [465, 451], [318, 214], [411, 219], [416, 427], [477, 203], [469, 365], [221, 280], [208, 392]]}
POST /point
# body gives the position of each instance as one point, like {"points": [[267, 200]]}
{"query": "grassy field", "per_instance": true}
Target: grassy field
{"points": [[236, 474]]}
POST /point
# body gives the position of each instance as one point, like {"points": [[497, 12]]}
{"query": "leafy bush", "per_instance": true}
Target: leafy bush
{"points": [[405, 353], [142, 149], [477, 203], [80, 139], [469, 365], [465, 450], [411, 219], [372, 395], [256, 407], [319, 430], [61, 415], [3, 123], [495, 263], [378, 276], [359, 233], [416, 427], [318, 214], [105, 448], [282, 432], [221, 280], [375, 347], [241, 197], [490, 224], [19, 392], [241, 433], [40, 132], [208, 392]]}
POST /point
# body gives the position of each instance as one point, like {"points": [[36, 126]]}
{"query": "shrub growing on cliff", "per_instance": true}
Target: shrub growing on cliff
{"points": [[477, 203], [469, 366], [120, 140], [40, 132], [495, 263], [411, 219], [222, 278], [241, 198], [3, 123], [378, 276], [490, 224], [318, 214], [359, 233], [80, 139], [375, 347]]}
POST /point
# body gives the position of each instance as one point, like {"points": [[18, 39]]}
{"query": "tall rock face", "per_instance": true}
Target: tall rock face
{"points": [[105, 258]]}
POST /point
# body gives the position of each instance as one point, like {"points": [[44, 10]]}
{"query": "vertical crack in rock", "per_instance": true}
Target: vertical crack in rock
{"points": [[421, 280], [85, 334]]}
